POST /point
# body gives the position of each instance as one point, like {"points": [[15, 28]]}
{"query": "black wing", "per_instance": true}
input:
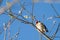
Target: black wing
{"points": [[45, 28]]}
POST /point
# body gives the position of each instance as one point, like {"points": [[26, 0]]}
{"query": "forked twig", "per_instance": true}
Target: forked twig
{"points": [[54, 35]]}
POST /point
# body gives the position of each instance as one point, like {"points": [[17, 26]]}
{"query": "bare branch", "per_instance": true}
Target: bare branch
{"points": [[53, 25], [54, 9], [54, 35], [8, 26], [9, 5], [32, 11], [5, 28], [16, 35], [57, 17]]}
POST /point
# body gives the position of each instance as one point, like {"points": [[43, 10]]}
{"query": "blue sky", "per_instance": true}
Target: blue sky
{"points": [[28, 32]]}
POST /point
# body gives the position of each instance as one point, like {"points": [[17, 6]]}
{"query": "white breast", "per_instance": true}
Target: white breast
{"points": [[38, 25]]}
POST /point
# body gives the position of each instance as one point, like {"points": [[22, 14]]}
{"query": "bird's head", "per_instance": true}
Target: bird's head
{"points": [[36, 22]]}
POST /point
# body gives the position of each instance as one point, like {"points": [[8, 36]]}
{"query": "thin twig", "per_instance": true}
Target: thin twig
{"points": [[32, 11], [54, 9], [40, 37], [8, 26], [54, 35], [5, 28], [16, 35], [52, 27], [3, 9]]}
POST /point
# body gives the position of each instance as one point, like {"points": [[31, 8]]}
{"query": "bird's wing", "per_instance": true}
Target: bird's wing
{"points": [[45, 27]]}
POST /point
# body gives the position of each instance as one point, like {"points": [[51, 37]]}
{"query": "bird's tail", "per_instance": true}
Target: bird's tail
{"points": [[46, 30]]}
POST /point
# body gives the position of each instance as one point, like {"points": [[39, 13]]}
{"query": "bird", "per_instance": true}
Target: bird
{"points": [[41, 27]]}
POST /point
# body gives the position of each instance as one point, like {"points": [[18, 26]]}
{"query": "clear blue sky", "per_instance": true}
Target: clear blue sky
{"points": [[28, 32]]}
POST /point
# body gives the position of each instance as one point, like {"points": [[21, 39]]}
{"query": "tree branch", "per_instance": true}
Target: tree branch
{"points": [[21, 20], [54, 35], [54, 9]]}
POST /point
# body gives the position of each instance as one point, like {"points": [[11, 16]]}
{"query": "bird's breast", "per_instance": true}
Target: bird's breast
{"points": [[39, 26]]}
